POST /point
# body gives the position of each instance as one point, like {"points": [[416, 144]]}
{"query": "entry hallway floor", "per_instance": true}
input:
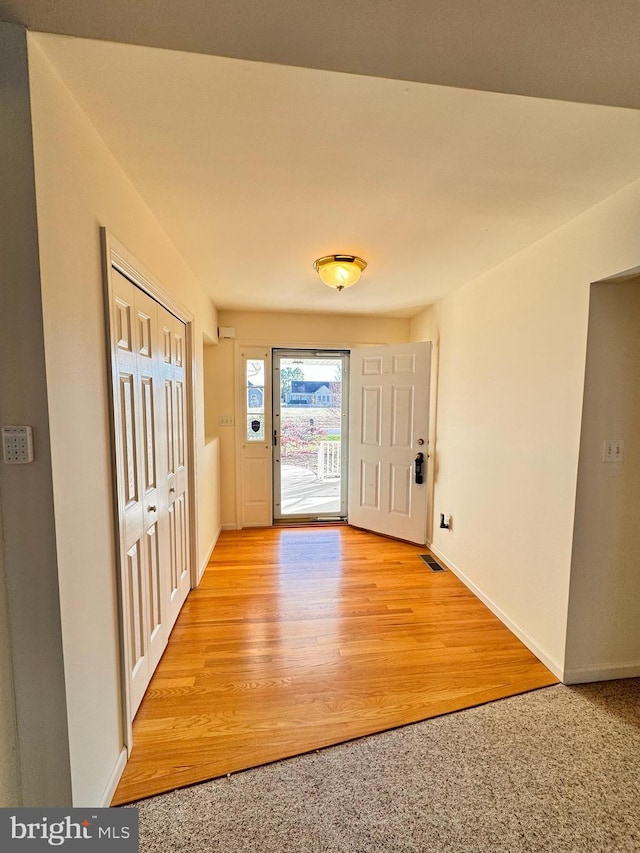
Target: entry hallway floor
{"points": [[301, 638], [551, 771]]}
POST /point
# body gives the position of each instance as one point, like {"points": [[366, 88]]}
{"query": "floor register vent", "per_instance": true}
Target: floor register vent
{"points": [[432, 563]]}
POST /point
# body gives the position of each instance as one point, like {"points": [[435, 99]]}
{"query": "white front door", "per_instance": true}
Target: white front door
{"points": [[389, 428]]}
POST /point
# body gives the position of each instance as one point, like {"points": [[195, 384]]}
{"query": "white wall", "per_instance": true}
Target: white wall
{"points": [[17, 182], [9, 772], [311, 329], [512, 355], [276, 329], [209, 496], [511, 350], [603, 637], [79, 188], [33, 711]]}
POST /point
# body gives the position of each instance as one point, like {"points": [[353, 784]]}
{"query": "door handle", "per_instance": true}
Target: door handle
{"points": [[419, 465]]}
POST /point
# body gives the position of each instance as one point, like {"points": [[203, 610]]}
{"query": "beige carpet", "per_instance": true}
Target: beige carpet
{"points": [[552, 771]]}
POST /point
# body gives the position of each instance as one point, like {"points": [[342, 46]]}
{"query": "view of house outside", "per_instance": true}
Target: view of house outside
{"points": [[310, 435], [310, 408]]}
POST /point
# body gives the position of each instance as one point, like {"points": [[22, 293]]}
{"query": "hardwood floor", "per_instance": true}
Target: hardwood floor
{"points": [[301, 638]]}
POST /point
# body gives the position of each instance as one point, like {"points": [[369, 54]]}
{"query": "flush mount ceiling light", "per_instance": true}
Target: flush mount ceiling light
{"points": [[339, 271]]}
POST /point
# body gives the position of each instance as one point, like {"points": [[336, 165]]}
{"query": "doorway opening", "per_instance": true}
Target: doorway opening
{"points": [[310, 435]]}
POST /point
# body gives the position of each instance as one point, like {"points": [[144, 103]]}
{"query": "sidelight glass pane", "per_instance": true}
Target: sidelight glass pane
{"points": [[255, 427], [255, 374], [255, 399]]}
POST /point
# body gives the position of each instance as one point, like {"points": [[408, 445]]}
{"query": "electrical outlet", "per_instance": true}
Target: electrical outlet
{"points": [[17, 445]]}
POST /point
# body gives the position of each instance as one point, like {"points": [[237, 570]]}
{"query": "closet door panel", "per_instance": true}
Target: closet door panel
{"points": [[148, 346], [129, 339]]}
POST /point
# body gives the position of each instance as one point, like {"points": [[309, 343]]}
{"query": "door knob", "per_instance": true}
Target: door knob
{"points": [[151, 508]]}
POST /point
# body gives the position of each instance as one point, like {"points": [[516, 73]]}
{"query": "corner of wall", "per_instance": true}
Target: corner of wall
{"points": [[548, 660], [10, 794], [26, 494]]}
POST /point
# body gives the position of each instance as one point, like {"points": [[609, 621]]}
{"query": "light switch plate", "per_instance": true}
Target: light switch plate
{"points": [[613, 450], [17, 445]]}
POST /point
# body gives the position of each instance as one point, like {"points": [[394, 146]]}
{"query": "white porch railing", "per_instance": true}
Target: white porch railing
{"points": [[329, 457]]}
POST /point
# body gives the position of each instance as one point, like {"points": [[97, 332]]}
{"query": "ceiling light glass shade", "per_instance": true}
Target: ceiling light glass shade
{"points": [[339, 271]]}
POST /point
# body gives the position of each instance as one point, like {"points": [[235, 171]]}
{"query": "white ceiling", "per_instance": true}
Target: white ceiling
{"points": [[256, 169], [573, 50]]}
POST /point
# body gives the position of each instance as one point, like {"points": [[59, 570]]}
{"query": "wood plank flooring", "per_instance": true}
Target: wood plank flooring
{"points": [[300, 638]]}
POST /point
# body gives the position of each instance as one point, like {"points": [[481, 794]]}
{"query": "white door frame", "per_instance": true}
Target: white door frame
{"points": [[262, 449], [269, 347], [116, 256]]}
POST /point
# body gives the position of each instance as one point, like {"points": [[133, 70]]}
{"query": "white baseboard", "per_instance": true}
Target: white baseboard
{"points": [[206, 562], [229, 527], [522, 635], [605, 672], [112, 784]]}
